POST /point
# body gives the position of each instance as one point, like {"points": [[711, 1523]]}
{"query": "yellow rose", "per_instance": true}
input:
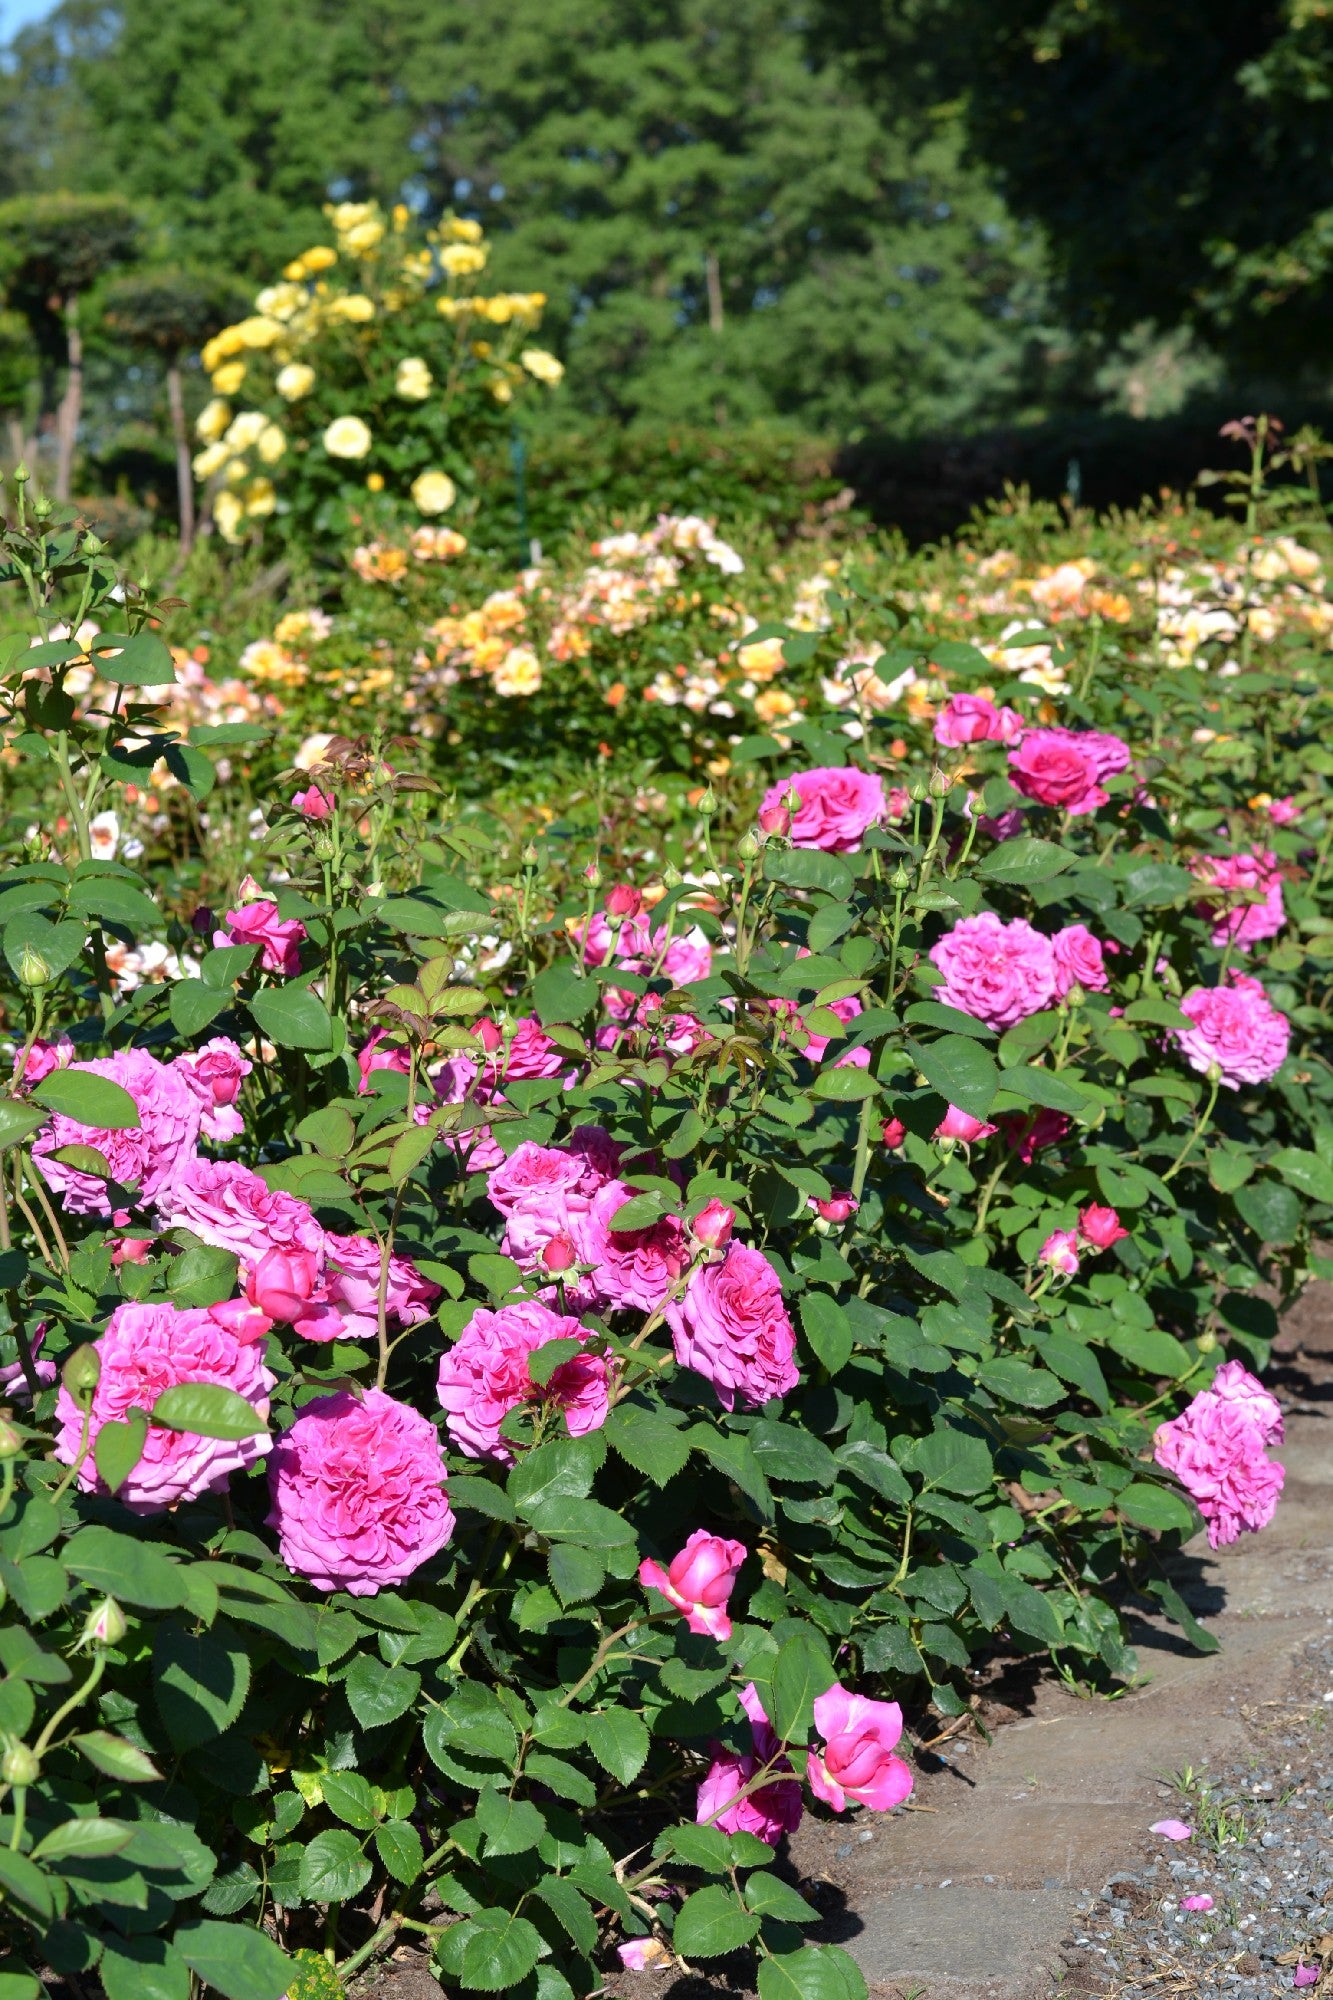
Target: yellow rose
{"points": [[228, 378], [462, 260], [345, 215], [260, 498], [353, 305], [221, 347], [434, 492], [272, 444], [227, 516], [518, 673], [413, 380], [364, 237], [236, 471], [462, 229], [212, 460], [246, 429], [259, 331], [501, 388], [297, 379], [319, 257], [375, 482], [543, 367], [347, 437], [212, 420], [455, 308]]}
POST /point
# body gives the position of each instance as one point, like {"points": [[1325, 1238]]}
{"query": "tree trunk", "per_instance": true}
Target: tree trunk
{"points": [[18, 444], [184, 470], [71, 407], [713, 279]]}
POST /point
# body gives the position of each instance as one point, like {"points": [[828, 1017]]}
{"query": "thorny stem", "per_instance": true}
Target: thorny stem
{"points": [[1200, 1127]]}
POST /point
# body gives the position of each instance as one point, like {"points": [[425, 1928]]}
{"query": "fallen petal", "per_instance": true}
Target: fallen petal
{"points": [[1305, 1975], [1196, 1902], [1171, 1829]]}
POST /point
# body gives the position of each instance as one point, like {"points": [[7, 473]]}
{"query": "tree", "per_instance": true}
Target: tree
{"points": [[172, 313], [52, 248], [1178, 153]]}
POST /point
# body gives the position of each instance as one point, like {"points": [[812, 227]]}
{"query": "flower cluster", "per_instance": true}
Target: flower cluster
{"points": [[1218, 1449]]}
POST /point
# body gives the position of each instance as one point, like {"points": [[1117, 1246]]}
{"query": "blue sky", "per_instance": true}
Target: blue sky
{"points": [[16, 14]]}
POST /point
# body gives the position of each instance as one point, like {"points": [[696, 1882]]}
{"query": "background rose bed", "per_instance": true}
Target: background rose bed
{"points": [[532, 1328]]}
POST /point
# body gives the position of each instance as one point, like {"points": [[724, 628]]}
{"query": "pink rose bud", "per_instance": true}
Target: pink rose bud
{"points": [[312, 803], [893, 1133], [1060, 1252], [838, 1207], [242, 1320], [559, 1254], [775, 819], [283, 1284], [1100, 1226], [1283, 811], [131, 1249], [489, 1033], [105, 1624], [624, 901], [373, 1056], [1196, 1902], [699, 1581], [713, 1225], [854, 1765], [960, 1125]]}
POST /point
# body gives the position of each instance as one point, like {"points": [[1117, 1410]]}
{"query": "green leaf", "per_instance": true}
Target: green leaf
{"points": [[142, 1968], [90, 1099], [192, 1005], [236, 1959], [1156, 1013], [646, 1441], [808, 868], [17, 1122], [769, 1896], [133, 1571], [576, 1574], [349, 1798], [1042, 1086], [17, 1983], [118, 1448], [711, 1923], [331, 1131], [202, 1276], [196, 772], [1151, 1348], [961, 1071], [802, 1672], [572, 1911], [815, 1972], [699, 1847], [292, 1017], [199, 1682], [470, 1720], [490, 1951], [398, 1845], [1272, 1211], [206, 1409], [789, 1452], [378, 1694], [585, 1521], [1160, 1507], [1151, 885], [1018, 1382], [116, 1757], [828, 1330], [511, 1826], [333, 1867], [1305, 1172], [25, 1884], [955, 1460], [1024, 860], [561, 994], [84, 1836], [57, 945], [844, 1086], [618, 1739], [138, 659]]}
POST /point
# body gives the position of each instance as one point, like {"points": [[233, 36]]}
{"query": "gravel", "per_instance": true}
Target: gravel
{"points": [[1262, 1848]]}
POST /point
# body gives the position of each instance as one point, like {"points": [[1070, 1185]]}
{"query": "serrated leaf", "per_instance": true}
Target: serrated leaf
{"points": [[199, 1682], [333, 1867], [206, 1409], [89, 1099], [618, 1739], [711, 1923], [490, 1951], [398, 1845], [377, 1693]]}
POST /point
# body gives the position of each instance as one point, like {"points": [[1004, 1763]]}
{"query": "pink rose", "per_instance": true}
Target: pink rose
{"points": [[767, 1812], [1216, 1448], [218, 1070], [538, 1190], [312, 804], [224, 1204], [485, 1375], [732, 1328], [816, 1046], [144, 1350], [1059, 1253], [960, 1125], [1078, 961], [775, 820], [377, 1054], [713, 1225], [1247, 923], [1065, 767], [149, 1157], [998, 973], [838, 804], [1236, 1028], [631, 1267], [1027, 1133], [854, 1764], [1283, 811], [893, 1132], [359, 1494], [288, 1286], [1100, 1227], [699, 1581], [623, 900], [971, 718], [353, 1286], [837, 1208], [530, 1052], [42, 1058], [637, 1954], [260, 924]]}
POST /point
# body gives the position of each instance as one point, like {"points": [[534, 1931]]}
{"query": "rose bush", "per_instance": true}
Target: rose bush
{"points": [[662, 1304]]}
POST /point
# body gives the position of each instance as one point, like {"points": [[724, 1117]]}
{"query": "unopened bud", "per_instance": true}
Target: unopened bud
{"points": [[32, 968], [713, 1225], [1208, 1342], [592, 875], [559, 1254], [82, 1372], [11, 1444], [939, 785], [747, 847], [105, 1624], [18, 1766], [900, 879], [43, 508], [93, 545], [837, 1208], [708, 803], [918, 793], [893, 1133], [21, 474], [671, 876], [624, 900], [1075, 996], [775, 820], [321, 845], [529, 856], [1214, 1072]]}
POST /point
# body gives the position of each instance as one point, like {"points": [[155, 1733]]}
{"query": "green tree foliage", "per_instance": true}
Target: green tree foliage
{"points": [[1179, 153], [726, 225]]}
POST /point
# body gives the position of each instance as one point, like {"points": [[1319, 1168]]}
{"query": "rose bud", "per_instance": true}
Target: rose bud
{"points": [[312, 803], [105, 1624], [624, 901], [1060, 1253], [698, 1581], [960, 1125], [559, 1254], [838, 1207], [1100, 1227], [131, 1249], [489, 1034], [775, 820], [283, 1284], [203, 922], [713, 1225], [894, 1132]]}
